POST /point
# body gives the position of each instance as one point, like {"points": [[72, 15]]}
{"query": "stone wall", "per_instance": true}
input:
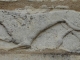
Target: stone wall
{"points": [[39, 34], [38, 0], [51, 0]]}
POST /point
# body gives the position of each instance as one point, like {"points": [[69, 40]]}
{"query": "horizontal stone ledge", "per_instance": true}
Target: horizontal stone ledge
{"points": [[8, 0], [52, 0], [23, 51], [38, 57]]}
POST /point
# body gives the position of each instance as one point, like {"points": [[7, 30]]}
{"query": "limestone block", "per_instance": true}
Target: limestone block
{"points": [[58, 30]]}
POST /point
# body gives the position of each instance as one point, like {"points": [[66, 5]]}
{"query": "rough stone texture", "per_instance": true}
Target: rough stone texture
{"points": [[22, 3], [8, 0], [62, 7], [60, 41], [38, 57], [56, 30], [51, 0]]}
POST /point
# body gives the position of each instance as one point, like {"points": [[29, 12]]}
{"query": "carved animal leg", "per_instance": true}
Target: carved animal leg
{"points": [[75, 34], [60, 41]]}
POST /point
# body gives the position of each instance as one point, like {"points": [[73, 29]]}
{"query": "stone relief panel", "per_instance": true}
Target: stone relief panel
{"points": [[39, 31]]}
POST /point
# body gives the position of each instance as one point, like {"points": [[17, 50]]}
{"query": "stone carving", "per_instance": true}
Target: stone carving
{"points": [[26, 29]]}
